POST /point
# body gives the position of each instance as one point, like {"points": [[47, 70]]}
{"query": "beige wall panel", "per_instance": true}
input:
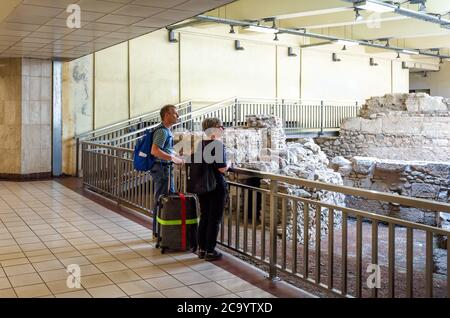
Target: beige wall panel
{"points": [[350, 79], [288, 73], [211, 69], [111, 85], [400, 78], [154, 66], [437, 82], [10, 116], [78, 106]]}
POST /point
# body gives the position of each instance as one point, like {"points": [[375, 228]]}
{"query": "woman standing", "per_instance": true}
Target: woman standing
{"points": [[212, 203]]}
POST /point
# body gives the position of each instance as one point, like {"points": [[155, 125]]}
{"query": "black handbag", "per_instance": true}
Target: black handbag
{"points": [[200, 177]]}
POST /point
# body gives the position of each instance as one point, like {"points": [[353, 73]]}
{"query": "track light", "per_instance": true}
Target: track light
{"points": [[372, 62], [172, 38], [398, 55], [276, 37], [335, 58], [231, 29], [291, 52], [237, 45], [441, 61], [422, 7], [358, 16], [344, 48]]}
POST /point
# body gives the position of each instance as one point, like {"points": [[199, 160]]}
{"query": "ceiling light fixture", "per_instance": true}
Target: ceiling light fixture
{"points": [[231, 29], [291, 52], [410, 52], [372, 62], [374, 6], [237, 45], [260, 29], [335, 58], [398, 55], [358, 16], [344, 48], [347, 42], [276, 37]]}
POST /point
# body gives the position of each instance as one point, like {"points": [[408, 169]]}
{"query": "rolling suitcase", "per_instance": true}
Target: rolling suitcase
{"points": [[177, 220]]}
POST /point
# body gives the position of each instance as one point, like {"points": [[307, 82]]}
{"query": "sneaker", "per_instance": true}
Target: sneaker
{"points": [[201, 254], [212, 256]]}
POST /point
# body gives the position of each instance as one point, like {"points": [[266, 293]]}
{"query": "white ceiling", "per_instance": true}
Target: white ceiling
{"points": [[38, 28]]}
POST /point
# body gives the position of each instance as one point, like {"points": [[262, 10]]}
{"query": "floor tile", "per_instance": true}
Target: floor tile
{"points": [[254, 293], [111, 266], [109, 291], [136, 287], [19, 270], [190, 278], [210, 289], [4, 283], [7, 293], [25, 279], [48, 265], [32, 291], [235, 285], [180, 292], [123, 276], [96, 280], [74, 294], [149, 272], [155, 294], [164, 282]]}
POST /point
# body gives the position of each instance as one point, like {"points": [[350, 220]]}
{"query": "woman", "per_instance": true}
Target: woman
{"points": [[212, 203]]}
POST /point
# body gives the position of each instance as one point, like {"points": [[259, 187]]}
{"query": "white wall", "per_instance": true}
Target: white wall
{"points": [[437, 82], [353, 78]]}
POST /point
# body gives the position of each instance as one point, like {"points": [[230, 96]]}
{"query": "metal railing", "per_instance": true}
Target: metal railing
{"points": [[104, 134], [335, 260], [296, 116]]}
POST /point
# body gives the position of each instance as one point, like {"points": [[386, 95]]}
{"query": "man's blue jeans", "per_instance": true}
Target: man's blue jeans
{"points": [[161, 174]]}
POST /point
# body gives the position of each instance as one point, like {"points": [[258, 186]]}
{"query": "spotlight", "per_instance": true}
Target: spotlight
{"points": [[422, 7], [276, 37], [231, 29], [398, 55], [358, 16], [335, 58], [344, 48]]}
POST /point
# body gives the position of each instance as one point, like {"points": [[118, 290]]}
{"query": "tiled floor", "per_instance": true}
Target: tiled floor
{"points": [[45, 227]]}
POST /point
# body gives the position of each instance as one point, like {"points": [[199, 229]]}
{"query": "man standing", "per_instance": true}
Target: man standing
{"points": [[162, 150]]}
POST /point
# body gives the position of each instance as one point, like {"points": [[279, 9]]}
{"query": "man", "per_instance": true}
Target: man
{"points": [[162, 150]]}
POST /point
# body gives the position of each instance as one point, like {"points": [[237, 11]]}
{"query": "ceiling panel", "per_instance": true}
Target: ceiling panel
{"points": [[38, 28]]}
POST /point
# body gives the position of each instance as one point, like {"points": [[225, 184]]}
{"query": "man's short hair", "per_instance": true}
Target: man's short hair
{"points": [[165, 110]]}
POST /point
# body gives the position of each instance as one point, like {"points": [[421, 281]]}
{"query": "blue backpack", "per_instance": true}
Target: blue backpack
{"points": [[142, 157]]}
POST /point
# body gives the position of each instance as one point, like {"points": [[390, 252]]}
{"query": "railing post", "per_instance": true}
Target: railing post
{"points": [[236, 112], [356, 109], [119, 156], [321, 117], [273, 230], [283, 113], [77, 159]]}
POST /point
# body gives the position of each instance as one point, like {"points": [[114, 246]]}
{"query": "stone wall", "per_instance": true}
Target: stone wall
{"points": [[395, 126], [426, 180], [398, 135]]}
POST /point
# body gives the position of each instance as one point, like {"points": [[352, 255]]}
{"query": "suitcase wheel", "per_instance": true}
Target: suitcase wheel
{"points": [[163, 250]]}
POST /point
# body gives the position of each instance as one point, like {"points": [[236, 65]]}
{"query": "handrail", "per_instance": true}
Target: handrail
{"points": [[152, 113], [194, 113]]}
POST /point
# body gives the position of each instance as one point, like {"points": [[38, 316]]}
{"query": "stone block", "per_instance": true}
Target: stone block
{"points": [[363, 165], [371, 126], [390, 165], [423, 190], [353, 123], [425, 103]]}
